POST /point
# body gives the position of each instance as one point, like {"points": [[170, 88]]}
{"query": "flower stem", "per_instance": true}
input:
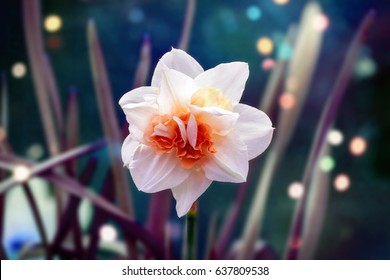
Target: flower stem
{"points": [[37, 217], [190, 241]]}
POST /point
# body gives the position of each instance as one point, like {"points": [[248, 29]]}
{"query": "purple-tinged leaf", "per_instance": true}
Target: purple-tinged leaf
{"points": [[109, 120], [187, 26]]}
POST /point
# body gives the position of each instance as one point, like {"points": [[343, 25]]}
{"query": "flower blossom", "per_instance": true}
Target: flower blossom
{"points": [[188, 128]]}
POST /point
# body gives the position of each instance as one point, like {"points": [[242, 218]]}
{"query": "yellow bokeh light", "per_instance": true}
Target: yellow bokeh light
{"points": [[342, 182], [358, 146], [21, 173], [53, 23], [265, 46], [19, 70], [281, 2]]}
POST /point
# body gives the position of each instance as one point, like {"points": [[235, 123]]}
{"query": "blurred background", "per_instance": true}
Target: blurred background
{"points": [[356, 223]]}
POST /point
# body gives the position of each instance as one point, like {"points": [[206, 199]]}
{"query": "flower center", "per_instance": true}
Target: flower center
{"points": [[211, 97], [182, 134]]}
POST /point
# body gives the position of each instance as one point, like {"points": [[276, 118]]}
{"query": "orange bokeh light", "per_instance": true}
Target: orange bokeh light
{"points": [[358, 146], [287, 101]]}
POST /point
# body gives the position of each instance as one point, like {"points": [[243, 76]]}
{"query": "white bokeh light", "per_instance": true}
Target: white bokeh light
{"points": [[108, 233], [295, 190], [19, 70], [335, 137], [21, 173]]}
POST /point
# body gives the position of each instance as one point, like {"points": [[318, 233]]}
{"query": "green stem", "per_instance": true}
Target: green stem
{"points": [[190, 241]]}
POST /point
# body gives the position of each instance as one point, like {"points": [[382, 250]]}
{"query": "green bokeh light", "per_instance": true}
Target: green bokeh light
{"points": [[327, 164]]}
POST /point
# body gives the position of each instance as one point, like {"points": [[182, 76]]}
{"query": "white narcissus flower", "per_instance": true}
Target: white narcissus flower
{"points": [[188, 128]]}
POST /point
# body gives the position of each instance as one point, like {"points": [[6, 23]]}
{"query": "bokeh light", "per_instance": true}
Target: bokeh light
{"points": [[365, 67], [53, 23], [285, 51], [342, 182], [21, 173], [19, 70], [281, 2], [287, 101], [321, 22], [335, 137], [35, 151], [253, 13], [268, 64], [358, 146], [108, 233], [54, 42], [136, 15], [327, 164], [295, 190], [265, 45]]}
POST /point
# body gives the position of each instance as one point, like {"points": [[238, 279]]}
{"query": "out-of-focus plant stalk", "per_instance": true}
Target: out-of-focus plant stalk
{"points": [[33, 33], [109, 120], [69, 216], [72, 139], [158, 215], [325, 123], [187, 26], [72, 130], [315, 210], [53, 163], [3, 255], [300, 71], [37, 218], [42, 78], [4, 146], [99, 217], [189, 248], [230, 221], [143, 68], [54, 95], [4, 108], [131, 229], [211, 236], [3, 150]]}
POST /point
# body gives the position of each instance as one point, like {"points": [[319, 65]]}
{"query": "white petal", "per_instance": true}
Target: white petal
{"points": [[220, 120], [230, 78], [138, 116], [177, 60], [189, 191], [153, 172], [139, 95], [192, 130], [175, 92], [182, 128], [254, 128], [230, 162], [128, 149], [162, 130]]}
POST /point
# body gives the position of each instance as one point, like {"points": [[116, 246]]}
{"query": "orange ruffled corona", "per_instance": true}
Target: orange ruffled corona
{"points": [[170, 134]]}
